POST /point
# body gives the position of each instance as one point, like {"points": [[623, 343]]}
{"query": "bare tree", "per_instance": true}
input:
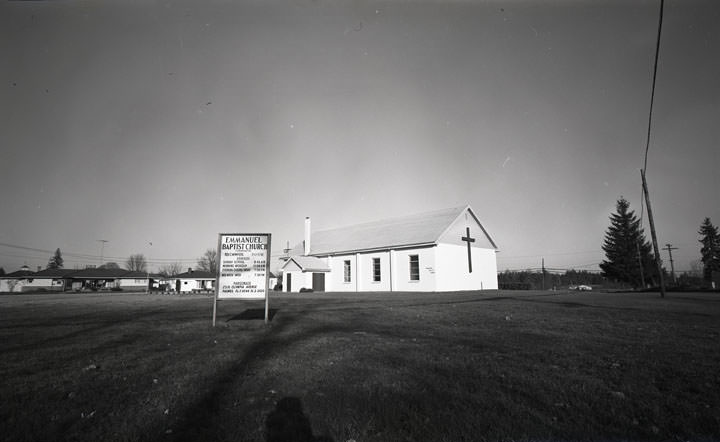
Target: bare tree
{"points": [[171, 269], [208, 261], [136, 262], [696, 268]]}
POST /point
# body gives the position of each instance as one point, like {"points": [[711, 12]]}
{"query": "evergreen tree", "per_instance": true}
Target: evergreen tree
{"points": [[710, 251], [56, 262], [621, 248]]}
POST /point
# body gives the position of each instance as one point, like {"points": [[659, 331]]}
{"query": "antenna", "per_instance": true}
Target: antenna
{"points": [[102, 248]]}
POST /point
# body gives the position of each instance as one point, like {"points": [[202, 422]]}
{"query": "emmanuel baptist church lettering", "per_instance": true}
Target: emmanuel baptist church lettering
{"points": [[243, 243]]}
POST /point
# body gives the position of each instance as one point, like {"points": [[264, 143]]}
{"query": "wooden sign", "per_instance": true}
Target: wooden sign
{"points": [[243, 268]]}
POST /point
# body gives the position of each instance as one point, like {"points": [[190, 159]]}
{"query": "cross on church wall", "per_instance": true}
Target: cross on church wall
{"points": [[469, 240]]}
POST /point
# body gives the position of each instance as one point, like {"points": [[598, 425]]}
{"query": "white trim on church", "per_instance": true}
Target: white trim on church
{"points": [[445, 250]]}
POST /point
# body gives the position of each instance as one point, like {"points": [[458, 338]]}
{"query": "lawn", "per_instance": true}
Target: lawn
{"points": [[365, 367]]}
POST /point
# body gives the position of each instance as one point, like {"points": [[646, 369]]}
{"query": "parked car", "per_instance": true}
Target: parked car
{"points": [[584, 288]]}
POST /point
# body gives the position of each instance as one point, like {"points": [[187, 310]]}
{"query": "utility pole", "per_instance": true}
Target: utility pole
{"points": [[642, 272], [670, 248], [147, 268], [543, 272], [102, 248], [658, 259]]}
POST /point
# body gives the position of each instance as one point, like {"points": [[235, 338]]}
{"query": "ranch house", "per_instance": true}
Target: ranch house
{"points": [[194, 281], [444, 250], [52, 280], [109, 279], [15, 281]]}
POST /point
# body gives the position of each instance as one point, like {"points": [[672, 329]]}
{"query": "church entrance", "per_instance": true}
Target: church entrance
{"points": [[289, 282], [318, 282]]}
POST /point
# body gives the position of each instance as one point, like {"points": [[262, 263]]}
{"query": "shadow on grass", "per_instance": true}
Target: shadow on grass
{"points": [[96, 325], [288, 423], [254, 313], [201, 419]]}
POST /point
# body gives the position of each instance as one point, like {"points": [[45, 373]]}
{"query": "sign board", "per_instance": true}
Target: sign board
{"points": [[243, 267]]}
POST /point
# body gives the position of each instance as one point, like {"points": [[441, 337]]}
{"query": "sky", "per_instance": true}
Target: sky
{"points": [[157, 125]]}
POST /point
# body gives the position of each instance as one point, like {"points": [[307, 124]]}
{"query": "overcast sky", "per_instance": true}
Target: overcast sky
{"points": [[169, 122]]}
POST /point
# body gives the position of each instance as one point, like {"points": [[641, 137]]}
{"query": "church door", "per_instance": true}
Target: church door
{"points": [[318, 282], [289, 282]]}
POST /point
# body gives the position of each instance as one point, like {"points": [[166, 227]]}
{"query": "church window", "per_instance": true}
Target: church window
{"points": [[346, 272], [414, 268], [376, 269]]}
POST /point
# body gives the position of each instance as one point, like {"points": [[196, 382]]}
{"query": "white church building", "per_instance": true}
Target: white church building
{"points": [[444, 250]]}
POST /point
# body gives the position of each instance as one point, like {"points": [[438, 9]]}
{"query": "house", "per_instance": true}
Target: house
{"points": [[444, 250], [15, 281], [272, 280], [108, 279], [53, 280], [194, 281]]}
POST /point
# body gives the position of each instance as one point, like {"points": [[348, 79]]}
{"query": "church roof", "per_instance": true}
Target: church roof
{"points": [[406, 231], [309, 263]]}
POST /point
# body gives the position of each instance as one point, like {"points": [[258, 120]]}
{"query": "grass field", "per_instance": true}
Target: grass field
{"points": [[372, 367]]}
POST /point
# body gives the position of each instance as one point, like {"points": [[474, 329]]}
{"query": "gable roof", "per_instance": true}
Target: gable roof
{"points": [[308, 263], [421, 229], [98, 273], [53, 273], [17, 274], [195, 274]]}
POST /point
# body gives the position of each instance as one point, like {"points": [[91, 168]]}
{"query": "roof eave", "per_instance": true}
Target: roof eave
{"points": [[375, 249]]}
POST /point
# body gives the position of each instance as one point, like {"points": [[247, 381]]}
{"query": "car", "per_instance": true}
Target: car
{"points": [[584, 288]]}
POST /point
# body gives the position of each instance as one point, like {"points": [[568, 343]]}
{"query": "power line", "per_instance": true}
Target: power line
{"points": [[652, 92]]}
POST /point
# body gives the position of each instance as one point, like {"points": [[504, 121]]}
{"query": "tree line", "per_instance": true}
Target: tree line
{"points": [[137, 262], [534, 280], [629, 258]]}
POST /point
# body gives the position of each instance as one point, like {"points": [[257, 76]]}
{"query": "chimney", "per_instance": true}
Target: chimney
{"points": [[189, 270], [306, 243]]}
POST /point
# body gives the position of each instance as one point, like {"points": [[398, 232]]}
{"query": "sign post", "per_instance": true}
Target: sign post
{"points": [[243, 268]]}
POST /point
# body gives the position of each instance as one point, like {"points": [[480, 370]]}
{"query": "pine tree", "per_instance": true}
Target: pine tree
{"points": [[710, 251], [621, 248], [56, 262]]}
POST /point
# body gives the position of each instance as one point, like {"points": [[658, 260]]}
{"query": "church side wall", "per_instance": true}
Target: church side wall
{"points": [[452, 268], [396, 278], [365, 275], [401, 270], [335, 279]]}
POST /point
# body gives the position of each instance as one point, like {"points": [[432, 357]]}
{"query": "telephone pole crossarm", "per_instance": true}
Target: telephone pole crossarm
{"points": [[670, 248]]}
